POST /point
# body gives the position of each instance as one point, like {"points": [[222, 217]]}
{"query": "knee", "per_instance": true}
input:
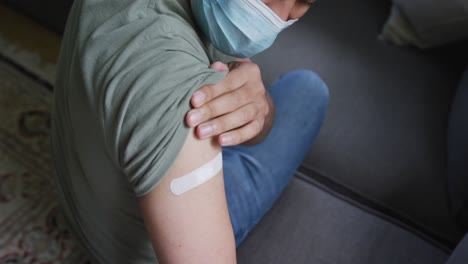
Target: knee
{"points": [[307, 86]]}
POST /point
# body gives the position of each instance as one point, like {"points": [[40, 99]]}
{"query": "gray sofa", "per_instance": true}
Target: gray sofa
{"points": [[373, 188]]}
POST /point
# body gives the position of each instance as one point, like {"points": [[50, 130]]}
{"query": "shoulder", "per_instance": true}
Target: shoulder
{"points": [[160, 44], [102, 30], [151, 34]]}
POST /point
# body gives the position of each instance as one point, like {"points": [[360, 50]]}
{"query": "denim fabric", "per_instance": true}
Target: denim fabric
{"points": [[457, 172], [256, 175]]}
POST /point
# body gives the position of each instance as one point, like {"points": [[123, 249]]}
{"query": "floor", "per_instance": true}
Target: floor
{"points": [[26, 34]]}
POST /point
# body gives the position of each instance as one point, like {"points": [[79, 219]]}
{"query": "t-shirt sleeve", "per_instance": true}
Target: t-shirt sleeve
{"points": [[144, 86]]}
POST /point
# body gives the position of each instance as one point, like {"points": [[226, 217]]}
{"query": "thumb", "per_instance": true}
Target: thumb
{"points": [[219, 66]]}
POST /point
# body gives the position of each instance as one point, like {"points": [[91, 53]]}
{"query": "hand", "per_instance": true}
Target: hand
{"points": [[238, 108]]}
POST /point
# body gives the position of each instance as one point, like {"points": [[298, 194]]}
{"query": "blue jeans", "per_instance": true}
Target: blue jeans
{"points": [[255, 176]]}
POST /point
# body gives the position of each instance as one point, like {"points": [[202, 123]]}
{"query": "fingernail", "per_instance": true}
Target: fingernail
{"points": [[206, 130], [194, 117], [226, 140], [198, 98]]}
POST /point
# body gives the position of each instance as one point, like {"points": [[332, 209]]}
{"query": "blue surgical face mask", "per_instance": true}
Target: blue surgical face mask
{"points": [[240, 28]]}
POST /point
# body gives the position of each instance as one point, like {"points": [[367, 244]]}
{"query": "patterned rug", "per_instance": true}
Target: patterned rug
{"points": [[32, 228]]}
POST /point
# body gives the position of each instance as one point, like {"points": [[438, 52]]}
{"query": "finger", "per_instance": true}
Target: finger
{"points": [[198, 98], [221, 105], [236, 119], [238, 75], [219, 66], [240, 135]]}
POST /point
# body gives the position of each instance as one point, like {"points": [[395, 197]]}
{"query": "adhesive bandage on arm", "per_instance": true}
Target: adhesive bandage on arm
{"points": [[195, 178]]}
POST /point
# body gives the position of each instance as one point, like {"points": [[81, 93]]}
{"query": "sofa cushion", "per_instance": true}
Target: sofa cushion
{"points": [[427, 23], [310, 225], [385, 133], [458, 154]]}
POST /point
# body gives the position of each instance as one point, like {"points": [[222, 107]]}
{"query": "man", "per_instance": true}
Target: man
{"points": [[152, 98]]}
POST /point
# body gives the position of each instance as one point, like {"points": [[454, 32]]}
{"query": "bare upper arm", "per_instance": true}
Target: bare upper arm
{"points": [[193, 227]]}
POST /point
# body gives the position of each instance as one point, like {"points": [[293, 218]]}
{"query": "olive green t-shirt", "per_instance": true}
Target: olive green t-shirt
{"points": [[126, 72]]}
